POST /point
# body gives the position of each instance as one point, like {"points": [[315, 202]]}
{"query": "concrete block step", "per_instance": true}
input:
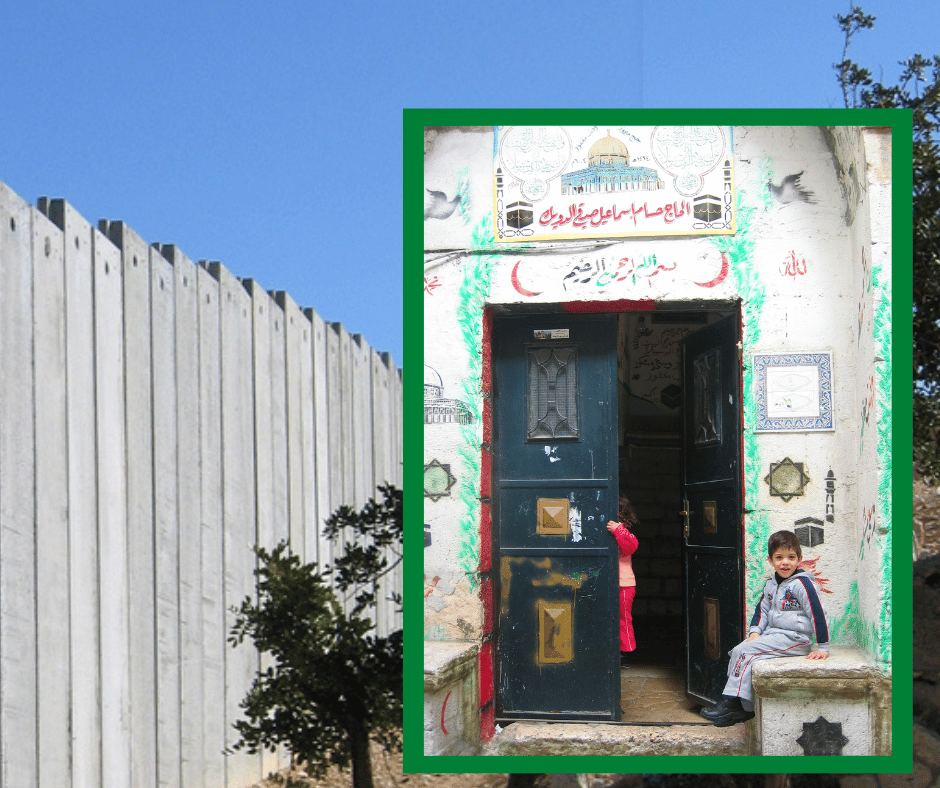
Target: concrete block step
{"points": [[539, 738]]}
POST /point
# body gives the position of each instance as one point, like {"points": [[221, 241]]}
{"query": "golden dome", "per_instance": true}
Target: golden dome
{"points": [[608, 151]]}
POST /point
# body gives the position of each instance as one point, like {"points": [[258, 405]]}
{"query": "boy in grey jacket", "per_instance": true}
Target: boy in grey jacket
{"points": [[785, 622]]}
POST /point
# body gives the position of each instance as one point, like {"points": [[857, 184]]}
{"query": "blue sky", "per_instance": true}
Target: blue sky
{"points": [[268, 136]]}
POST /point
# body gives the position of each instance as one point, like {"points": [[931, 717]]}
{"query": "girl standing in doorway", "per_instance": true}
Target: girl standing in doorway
{"points": [[628, 544]]}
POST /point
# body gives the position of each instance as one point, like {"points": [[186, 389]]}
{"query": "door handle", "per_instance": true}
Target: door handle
{"points": [[685, 514]]}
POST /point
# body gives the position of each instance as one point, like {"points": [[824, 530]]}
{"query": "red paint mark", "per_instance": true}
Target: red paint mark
{"points": [[643, 305], [487, 423], [820, 580], [793, 267], [486, 551], [443, 709], [486, 597], [486, 371], [516, 284], [430, 285], [722, 274], [486, 673], [485, 472], [434, 581], [487, 723]]}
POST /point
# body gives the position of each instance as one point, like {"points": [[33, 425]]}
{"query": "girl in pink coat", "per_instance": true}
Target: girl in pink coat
{"points": [[628, 544]]}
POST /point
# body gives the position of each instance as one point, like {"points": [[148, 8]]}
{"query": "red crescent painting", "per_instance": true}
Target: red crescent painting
{"points": [[443, 709], [722, 274], [515, 282]]}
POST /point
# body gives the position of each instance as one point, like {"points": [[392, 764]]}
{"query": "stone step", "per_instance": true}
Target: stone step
{"points": [[540, 738]]}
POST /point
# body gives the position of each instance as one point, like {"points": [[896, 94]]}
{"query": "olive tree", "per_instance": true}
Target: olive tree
{"points": [[333, 683]]}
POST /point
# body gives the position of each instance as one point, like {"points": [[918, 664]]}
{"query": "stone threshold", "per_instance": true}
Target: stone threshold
{"points": [[541, 738]]}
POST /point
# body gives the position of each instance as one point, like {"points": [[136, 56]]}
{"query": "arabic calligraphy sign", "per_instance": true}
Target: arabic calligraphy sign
{"points": [[563, 182]]}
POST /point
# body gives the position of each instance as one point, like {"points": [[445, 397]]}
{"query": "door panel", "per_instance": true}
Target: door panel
{"points": [[712, 504], [554, 489]]}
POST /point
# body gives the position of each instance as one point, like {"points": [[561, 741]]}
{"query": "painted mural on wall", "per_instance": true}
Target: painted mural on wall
{"points": [[439, 409], [651, 269], [790, 190], [555, 182]]}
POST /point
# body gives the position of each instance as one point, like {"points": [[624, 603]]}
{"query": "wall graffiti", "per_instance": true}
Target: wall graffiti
{"points": [[635, 270], [868, 528], [437, 206], [578, 219], [439, 409], [472, 294], [809, 531], [793, 266], [548, 187], [444, 711], [654, 361], [787, 479], [514, 277], [790, 190], [868, 406], [430, 285], [830, 497], [821, 581], [866, 289], [437, 480], [719, 277]]}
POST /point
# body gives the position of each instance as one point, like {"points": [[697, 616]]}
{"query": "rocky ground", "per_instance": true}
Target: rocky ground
{"points": [[387, 769]]}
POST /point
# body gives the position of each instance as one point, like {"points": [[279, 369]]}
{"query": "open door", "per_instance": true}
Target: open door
{"points": [[554, 489], [712, 555]]}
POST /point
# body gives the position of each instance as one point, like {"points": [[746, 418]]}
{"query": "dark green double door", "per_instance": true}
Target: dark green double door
{"points": [[555, 486]]}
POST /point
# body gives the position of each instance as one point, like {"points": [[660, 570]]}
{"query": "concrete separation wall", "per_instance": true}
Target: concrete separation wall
{"points": [[158, 418]]}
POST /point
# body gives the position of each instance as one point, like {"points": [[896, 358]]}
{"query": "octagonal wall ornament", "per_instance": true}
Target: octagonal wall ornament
{"points": [[437, 480], [822, 738], [787, 479]]}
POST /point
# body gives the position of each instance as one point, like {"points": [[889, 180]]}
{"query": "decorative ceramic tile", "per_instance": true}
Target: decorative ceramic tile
{"points": [[793, 392]]}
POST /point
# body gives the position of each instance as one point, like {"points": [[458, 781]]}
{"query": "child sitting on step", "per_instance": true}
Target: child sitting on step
{"points": [[786, 619]]}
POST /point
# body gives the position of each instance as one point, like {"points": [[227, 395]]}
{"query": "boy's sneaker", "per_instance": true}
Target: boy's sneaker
{"points": [[728, 711]]}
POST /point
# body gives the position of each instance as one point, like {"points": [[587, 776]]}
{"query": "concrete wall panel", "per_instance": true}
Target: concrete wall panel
{"points": [[210, 468], [85, 721], [156, 422], [186, 317], [238, 502], [52, 559], [18, 764], [166, 520], [112, 515], [263, 309], [293, 328], [308, 458], [135, 268], [321, 435]]}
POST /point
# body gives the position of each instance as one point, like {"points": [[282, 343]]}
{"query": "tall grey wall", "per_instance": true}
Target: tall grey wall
{"points": [[158, 418]]}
